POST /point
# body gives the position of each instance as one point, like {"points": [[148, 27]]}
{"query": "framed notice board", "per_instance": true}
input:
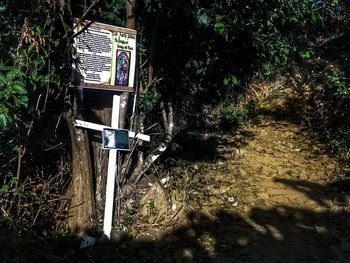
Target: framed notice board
{"points": [[104, 56]]}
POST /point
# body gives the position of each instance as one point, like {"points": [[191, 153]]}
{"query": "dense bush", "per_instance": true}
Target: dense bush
{"points": [[32, 149]]}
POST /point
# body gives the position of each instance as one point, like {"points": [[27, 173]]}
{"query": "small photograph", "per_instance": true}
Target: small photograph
{"points": [[108, 138], [122, 68]]}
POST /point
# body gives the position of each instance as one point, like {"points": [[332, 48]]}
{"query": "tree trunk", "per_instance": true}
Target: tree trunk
{"points": [[80, 190], [124, 97], [130, 14], [100, 111]]}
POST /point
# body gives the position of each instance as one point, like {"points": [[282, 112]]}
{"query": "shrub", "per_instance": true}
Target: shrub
{"points": [[233, 115]]}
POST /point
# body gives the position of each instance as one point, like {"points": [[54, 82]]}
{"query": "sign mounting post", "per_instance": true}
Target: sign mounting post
{"points": [[112, 169]]}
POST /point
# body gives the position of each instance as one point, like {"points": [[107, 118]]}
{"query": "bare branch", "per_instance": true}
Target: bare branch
{"points": [[151, 158]]}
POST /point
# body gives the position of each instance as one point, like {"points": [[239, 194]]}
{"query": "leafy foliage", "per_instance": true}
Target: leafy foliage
{"points": [[113, 12], [212, 48], [149, 99], [22, 73], [233, 115], [332, 114], [28, 83], [342, 88]]}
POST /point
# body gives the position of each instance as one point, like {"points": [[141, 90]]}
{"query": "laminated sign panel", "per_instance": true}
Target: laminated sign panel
{"points": [[104, 56]]}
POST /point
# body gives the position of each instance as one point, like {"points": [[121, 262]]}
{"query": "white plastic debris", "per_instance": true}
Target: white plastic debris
{"points": [[165, 181], [232, 201], [173, 206]]}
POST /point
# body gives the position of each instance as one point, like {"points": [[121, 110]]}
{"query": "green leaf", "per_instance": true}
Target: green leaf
{"points": [[313, 18], [19, 89], [41, 60], [25, 102], [266, 69], [306, 54], [231, 80], [3, 120], [203, 19], [276, 60], [21, 101], [3, 80], [15, 148], [19, 73], [37, 30], [22, 54], [10, 75], [226, 81], [5, 188], [149, 99], [13, 180], [31, 48], [34, 75], [235, 81], [3, 67], [220, 28]]}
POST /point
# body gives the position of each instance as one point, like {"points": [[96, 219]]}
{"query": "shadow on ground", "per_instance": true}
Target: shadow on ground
{"points": [[208, 146], [278, 234]]}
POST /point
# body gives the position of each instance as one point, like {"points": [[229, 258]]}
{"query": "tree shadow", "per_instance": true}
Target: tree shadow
{"points": [[326, 195], [275, 234], [279, 234], [208, 146]]}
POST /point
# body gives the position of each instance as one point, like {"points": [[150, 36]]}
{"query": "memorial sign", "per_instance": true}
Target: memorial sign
{"points": [[115, 139], [104, 56]]}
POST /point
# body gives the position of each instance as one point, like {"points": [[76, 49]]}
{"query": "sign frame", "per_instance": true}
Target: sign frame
{"points": [[119, 42]]}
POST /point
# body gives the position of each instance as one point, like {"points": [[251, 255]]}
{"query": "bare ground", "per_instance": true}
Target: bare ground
{"points": [[267, 193]]}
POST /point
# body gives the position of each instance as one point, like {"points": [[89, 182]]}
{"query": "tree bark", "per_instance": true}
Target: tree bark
{"points": [[124, 97], [80, 190], [100, 111], [130, 14]]}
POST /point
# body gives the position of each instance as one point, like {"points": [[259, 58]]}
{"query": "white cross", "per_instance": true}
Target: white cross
{"points": [[112, 161], [99, 127]]}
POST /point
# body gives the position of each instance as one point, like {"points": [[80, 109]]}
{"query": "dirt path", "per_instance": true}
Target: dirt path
{"points": [[268, 195], [280, 181]]}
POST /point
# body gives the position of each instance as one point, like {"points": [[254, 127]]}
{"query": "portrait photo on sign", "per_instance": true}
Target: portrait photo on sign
{"points": [[122, 68], [108, 138]]}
